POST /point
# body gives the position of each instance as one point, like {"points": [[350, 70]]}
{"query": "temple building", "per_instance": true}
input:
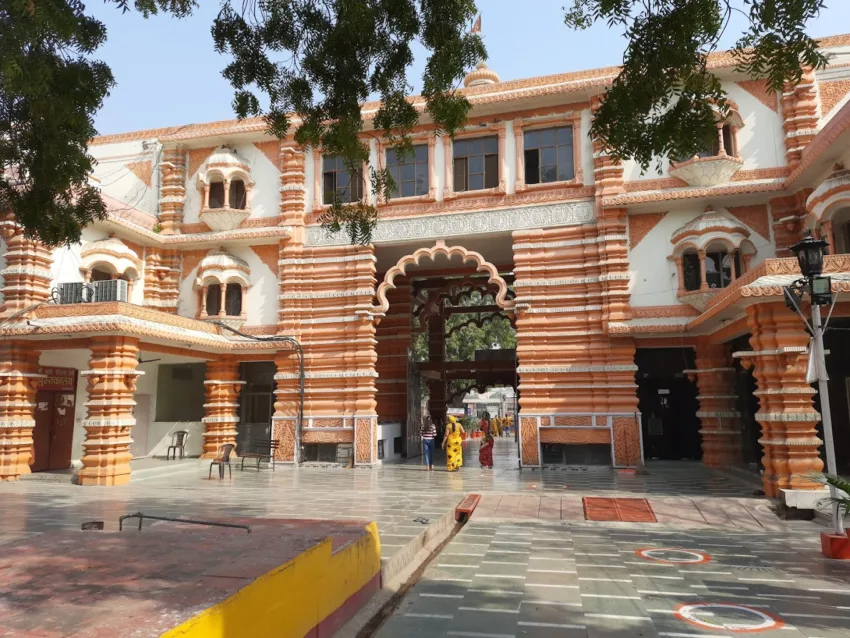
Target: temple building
{"points": [[647, 306]]}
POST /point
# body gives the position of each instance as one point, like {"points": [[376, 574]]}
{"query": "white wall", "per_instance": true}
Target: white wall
{"points": [[387, 433], [654, 278], [121, 183], [761, 140], [264, 198], [160, 437]]}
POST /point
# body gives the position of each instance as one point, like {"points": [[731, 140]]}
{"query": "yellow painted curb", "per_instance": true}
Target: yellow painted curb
{"points": [[294, 598]]}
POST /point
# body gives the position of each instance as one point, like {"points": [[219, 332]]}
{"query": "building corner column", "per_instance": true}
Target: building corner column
{"points": [[720, 421], [18, 373], [222, 387], [109, 421], [786, 414]]}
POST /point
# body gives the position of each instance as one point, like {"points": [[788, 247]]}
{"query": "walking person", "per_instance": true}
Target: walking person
{"points": [[485, 452], [453, 444], [428, 432]]}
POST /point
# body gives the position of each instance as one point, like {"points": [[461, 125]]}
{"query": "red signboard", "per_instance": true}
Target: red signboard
{"points": [[57, 379]]}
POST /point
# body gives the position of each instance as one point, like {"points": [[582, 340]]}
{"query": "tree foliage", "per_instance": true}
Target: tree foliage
{"points": [[319, 61], [50, 89], [664, 101]]}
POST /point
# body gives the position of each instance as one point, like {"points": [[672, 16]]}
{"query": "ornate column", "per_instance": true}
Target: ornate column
{"points": [[680, 270], [27, 276], [448, 160], [286, 399], [222, 293], [734, 270], [800, 116], [111, 384], [720, 421], [786, 415], [18, 371], [436, 354], [172, 190], [519, 184], [503, 157], [222, 387], [703, 282]]}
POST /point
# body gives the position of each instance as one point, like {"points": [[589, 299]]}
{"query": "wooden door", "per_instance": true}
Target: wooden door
{"points": [[41, 432], [62, 430]]}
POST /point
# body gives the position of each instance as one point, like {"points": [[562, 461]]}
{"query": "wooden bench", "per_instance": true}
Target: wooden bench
{"points": [[264, 450]]}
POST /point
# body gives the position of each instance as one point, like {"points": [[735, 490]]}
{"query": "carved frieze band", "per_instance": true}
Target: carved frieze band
{"points": [[473, 223]]}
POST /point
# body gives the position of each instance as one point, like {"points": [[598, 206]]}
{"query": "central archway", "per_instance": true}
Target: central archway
{"points": [[440, 248]]}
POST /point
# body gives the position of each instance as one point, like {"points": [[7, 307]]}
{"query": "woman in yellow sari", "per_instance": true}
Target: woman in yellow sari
{"points": [[453, 444]]}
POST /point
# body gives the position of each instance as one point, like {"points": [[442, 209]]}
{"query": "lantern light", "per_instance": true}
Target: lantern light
{"points": [[809, 252]]}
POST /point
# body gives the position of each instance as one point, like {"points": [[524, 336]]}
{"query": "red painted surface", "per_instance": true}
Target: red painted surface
{"points": [[624, 510], [835, 545], [466, 507], [333, 623]]}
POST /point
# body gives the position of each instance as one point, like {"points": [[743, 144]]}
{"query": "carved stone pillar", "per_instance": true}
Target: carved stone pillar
{"points": [[222, 387], [222, 295], [287, 395], [436, 354], [786, 414], [800, 116], [449, 186], [703, 282], [720, 420], [18, 371], [27, 276], [111, 385], [680, 270], [172, 190]]}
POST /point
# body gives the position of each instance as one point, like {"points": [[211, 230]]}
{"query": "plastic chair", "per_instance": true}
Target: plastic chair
{"points": [[221, 459], [178, 442]]}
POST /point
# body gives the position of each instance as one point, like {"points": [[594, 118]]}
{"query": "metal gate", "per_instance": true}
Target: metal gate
{"points": [[412, 441]]}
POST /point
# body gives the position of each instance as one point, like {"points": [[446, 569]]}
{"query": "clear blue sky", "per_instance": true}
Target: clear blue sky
{"points": [[168, 73]]}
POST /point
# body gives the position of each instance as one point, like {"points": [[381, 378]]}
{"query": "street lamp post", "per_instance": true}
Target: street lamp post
{"points": [[810, 252]]}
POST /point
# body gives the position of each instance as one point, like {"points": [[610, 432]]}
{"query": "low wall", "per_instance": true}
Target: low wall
{"points": [[312, 595]]}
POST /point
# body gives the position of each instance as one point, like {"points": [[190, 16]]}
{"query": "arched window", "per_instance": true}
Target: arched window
{"points": [[233, 300], [237, 195], [718, 267], [841, 231], [217, 195], [98, 274], [213, 299], [691, 268]]}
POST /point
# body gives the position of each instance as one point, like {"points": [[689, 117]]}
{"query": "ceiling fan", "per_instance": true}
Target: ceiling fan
{"points": [[141, 361]]}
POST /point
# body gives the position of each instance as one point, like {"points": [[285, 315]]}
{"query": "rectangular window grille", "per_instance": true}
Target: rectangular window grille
{"points": [[339, 183], [476, 164], [411, 174], [381, 449], [549, 155]]}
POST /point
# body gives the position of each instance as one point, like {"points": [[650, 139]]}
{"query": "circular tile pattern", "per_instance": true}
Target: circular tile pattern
{"points": [[673, 555], [728, 617]]}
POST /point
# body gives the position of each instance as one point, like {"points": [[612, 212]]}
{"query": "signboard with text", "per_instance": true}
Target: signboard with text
{"points": [[57, 379]]}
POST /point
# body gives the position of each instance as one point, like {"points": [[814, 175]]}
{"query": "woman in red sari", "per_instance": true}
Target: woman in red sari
{"points": [[485, 452]]}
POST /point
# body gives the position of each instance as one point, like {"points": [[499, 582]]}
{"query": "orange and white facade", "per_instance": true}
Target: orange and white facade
{"points": [[592, 260]]}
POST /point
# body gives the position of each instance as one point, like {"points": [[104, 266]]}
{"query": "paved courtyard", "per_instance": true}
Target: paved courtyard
{"points": [[527, 564]]}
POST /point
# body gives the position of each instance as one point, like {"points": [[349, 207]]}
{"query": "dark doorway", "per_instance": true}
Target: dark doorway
{"points": [[747, 404], [53, 433], [837, 343], [667, 401], [256, 403]]}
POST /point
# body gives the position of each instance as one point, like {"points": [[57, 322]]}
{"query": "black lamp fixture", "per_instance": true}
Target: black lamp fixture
{"points": [[809, 252]]}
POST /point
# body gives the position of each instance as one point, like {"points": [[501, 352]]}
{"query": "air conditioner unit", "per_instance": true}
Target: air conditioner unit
{"points": [[111, 290], [71, 292]]}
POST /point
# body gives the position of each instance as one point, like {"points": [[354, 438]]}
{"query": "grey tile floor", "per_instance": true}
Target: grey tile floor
{"points": [[500, 580]]}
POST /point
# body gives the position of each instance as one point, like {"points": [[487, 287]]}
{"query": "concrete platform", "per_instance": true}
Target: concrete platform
{"points": [[285, 578]]}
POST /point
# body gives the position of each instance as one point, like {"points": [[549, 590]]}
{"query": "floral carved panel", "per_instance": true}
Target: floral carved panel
{"points": [[641, 225], [577, 436], [753, 216], [626, 442], [363, 442], [530, 448], [334, 436], [284, 431]]}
